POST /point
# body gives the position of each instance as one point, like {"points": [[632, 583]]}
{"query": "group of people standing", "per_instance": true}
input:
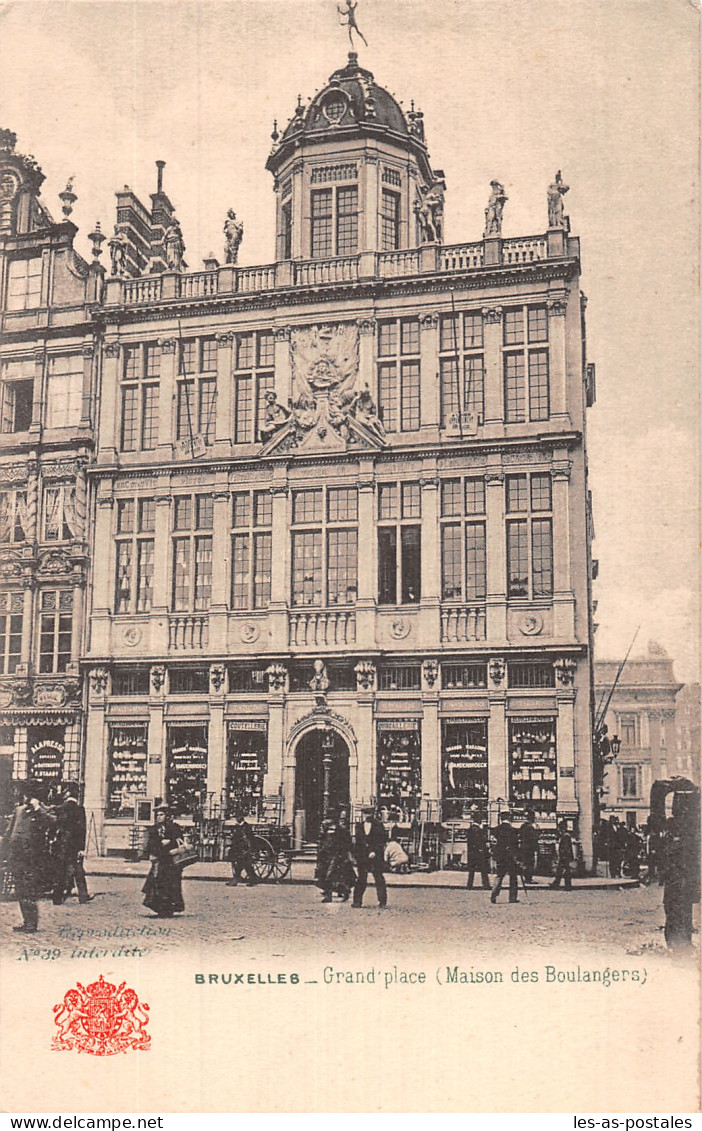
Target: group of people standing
{"points": [[43, 848], [515, 852], [344, 862]]}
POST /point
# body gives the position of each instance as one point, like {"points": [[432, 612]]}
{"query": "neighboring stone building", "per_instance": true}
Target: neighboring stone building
{"points": [[340, 501], [686, 760], [642, 712], [47, 388]]}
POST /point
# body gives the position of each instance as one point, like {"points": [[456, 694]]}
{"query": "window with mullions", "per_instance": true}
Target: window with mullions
{"points": [[325, 546], [389, 220], [197, 389], [136, 523], [24, 284], [254, 376], [64, 394], [60, 524], [17, 394], [252, 549], [530, 673], [526, 371], [13, 516], [399, 544], [56, 629], [463, 543], [192, 552], [467, 677], [529, 535], [11, 617], [140, 380], [334, 221], [461, 366], [399, 377]]}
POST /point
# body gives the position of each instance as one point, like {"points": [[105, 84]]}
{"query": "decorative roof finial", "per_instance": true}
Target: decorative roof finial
{"points": [[160, 165], [350, 21], [68, 197], [97, 238], [275, 135]]}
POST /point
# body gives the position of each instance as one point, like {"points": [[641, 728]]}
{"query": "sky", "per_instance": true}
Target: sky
{"points": [[605, 90]]}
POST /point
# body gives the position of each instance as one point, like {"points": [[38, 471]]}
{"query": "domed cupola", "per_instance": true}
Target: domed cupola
{"points": [[351, 170]]}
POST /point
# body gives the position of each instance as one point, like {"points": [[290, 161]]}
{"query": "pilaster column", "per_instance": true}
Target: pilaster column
{"points": [[33, 485], [281, 552], [216, 739], [96, 752], [162, 543], [274, 777], [27, 599], [156, 744], [496, 540], [498, 764], [367, 371], [166, 395], [103, 579], [557, 358], [88, 352], [370, 204], [429, 367], [219, 601], [366, 602], [77, 622], [492, 349], [431, 732], [110, 409], [300, 211], [565, 749], [564, 611], [366, 773], [283, 366], [223, 414], [38, 389]]}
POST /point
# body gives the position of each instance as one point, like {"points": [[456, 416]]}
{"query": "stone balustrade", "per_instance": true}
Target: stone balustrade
{"points": [[187, 633], [228, 280], [326, 627], [462, 623]]}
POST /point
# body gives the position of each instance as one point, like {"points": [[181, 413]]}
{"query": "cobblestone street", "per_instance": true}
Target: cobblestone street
{"points": [[289, 920]]}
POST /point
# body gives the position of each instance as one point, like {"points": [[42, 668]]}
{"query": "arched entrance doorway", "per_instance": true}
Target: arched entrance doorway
{"points": [[321, 777]]}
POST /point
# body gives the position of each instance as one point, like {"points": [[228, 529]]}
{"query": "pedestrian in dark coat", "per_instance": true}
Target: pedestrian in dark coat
{"points": [[25, 850], [335, 872], [70, 847], [506, 852], [529, 846], [163, 890], [566, 857], [369, 852], [617, 845], [477, 854], [241, 851]]}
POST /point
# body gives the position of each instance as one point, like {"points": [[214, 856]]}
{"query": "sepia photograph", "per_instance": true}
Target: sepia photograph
{"points": [[349, 556]]}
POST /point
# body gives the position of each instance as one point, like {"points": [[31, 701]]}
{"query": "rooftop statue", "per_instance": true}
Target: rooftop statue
{"points": [[233, 233], [495, 208], [118, 244], [556, 191], [174, 247], [429, 210], [350, 12]]}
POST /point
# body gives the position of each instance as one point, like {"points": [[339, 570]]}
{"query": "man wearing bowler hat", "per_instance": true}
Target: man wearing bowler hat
{"points": [[369, 849]]}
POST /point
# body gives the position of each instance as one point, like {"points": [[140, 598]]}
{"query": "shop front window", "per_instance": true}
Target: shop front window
{"points": [[532, 764], [464, 767], [46, 756], [186, 771], [247, 761], [126, 781], [399, 769]]}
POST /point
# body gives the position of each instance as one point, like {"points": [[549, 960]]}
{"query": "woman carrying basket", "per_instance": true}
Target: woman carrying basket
{"points": [[163, 891]]}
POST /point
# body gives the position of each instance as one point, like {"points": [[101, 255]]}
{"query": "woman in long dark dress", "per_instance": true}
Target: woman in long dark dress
{"points": [[163, 888]]}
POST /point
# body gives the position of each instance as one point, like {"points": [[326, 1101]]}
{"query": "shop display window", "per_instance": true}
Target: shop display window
{"points": [[247, 761], [46, 751], [532, 764], [399, 768], [186, 774], [126, 780], [467, 677], [464, 767]]}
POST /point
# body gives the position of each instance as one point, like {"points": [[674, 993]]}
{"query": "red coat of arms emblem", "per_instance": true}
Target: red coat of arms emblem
{"points": [[101, 1019]]}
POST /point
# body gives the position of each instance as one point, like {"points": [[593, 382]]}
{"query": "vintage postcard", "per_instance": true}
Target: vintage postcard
{"points": [[349, 684]]}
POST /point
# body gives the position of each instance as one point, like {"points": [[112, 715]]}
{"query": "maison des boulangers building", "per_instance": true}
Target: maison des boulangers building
{"points": [[302, 534]]}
